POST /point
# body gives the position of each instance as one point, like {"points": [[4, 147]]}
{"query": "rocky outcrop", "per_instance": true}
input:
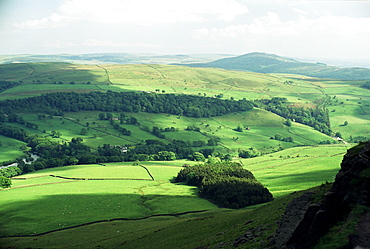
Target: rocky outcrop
{"points": [[304, 222]]}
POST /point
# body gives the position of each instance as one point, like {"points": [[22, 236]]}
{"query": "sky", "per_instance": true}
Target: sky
{"points": [[294, 28]]}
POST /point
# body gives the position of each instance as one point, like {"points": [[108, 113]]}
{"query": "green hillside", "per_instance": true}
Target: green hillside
{"points": [[270, 63], [343, 98], [132, 128]]}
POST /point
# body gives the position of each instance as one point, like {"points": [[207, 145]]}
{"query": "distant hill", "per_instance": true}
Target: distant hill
{"points": [[112, 58], [270, 63]]}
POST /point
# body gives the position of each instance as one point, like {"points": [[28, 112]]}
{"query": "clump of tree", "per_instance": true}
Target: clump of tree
{"points": [[249, 153], [328, 141], [227, 184], [358, 139], [366, 85], [6, 174], [192, 128], [10, 171], [318, 118], [5, 182], [4, 85], [239, 128], [281, 138]]}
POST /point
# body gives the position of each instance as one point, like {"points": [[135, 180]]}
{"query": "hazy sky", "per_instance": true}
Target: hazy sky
{"points": [[321, 29]]}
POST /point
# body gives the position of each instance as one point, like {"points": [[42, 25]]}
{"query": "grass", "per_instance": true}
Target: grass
{"points": [[184, 231], [297, 168], [10, 148], [42, 203], [303, 91], [263, 125], [66, 203]]}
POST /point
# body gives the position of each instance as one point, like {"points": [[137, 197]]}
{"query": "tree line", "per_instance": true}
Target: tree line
{"points": [[227, 184], [184, 105], [318, 118], [55, 154], [4, 85]]}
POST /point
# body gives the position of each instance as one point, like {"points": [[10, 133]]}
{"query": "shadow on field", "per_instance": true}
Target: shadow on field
{"points": [[306, 177], [51, 213]]}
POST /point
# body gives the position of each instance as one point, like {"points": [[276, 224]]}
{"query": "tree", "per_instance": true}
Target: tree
{"points": [[83, 131], [213, 160], [248, 153], [101, 116], [239, 129], [345, 123], [197, 156], [166, 156], [227, 157], [278, 137], [288, 122], [5, 182], [109, 116], [338, 134], [73, 161]]}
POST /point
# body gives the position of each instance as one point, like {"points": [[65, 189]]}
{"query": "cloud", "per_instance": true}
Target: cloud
{"points": [[324, 36], [143, 12], [55, 20], [99, 43], [272, 25], [107, 43]]}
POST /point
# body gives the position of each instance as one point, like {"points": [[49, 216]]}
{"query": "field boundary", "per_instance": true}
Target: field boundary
{"points": [[107, 220], [35, 185], [147, 170], [91, 179]]}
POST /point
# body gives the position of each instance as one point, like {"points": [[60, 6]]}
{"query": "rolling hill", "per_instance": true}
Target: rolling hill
{"points": [[130, 205], [270, 63]]}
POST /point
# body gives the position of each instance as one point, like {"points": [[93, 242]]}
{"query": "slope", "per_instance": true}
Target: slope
{"points": [[270, 63]]}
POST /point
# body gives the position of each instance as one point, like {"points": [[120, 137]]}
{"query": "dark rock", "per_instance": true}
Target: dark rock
{"points": [[293, 216], [303, 223]]}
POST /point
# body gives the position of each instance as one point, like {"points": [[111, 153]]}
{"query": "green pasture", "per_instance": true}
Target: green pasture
{"points": [[10, 148], [38, 202], [353, 109], [49, 72], [262, 126], [300, 90], [209, 228], [297, 168], [66, 202]]}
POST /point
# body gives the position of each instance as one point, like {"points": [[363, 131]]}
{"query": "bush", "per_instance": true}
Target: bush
{"points": [[5, 182], [226, 184]]}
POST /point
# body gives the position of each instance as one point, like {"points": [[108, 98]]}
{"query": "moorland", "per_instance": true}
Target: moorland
{"points": [[112, 138]]}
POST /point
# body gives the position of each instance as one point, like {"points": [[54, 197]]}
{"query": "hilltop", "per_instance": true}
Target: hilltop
{"points": [[112, 58], [253, 62], [270, 63]]}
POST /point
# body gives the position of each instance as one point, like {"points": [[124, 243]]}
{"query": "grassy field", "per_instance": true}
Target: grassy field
{"points": [[349, 102], [67, 202], [297, 168], [10, 148], [107, 195], [262, 126], [209, 228], [41, 203]]}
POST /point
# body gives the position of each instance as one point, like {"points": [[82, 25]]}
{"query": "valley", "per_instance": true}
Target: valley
{"points": [[129, 198]]}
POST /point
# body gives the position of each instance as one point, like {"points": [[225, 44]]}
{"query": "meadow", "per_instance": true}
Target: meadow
{"points": [[262, 126], [345, 99], [52, 199], [121, 200], [10, 148]]}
